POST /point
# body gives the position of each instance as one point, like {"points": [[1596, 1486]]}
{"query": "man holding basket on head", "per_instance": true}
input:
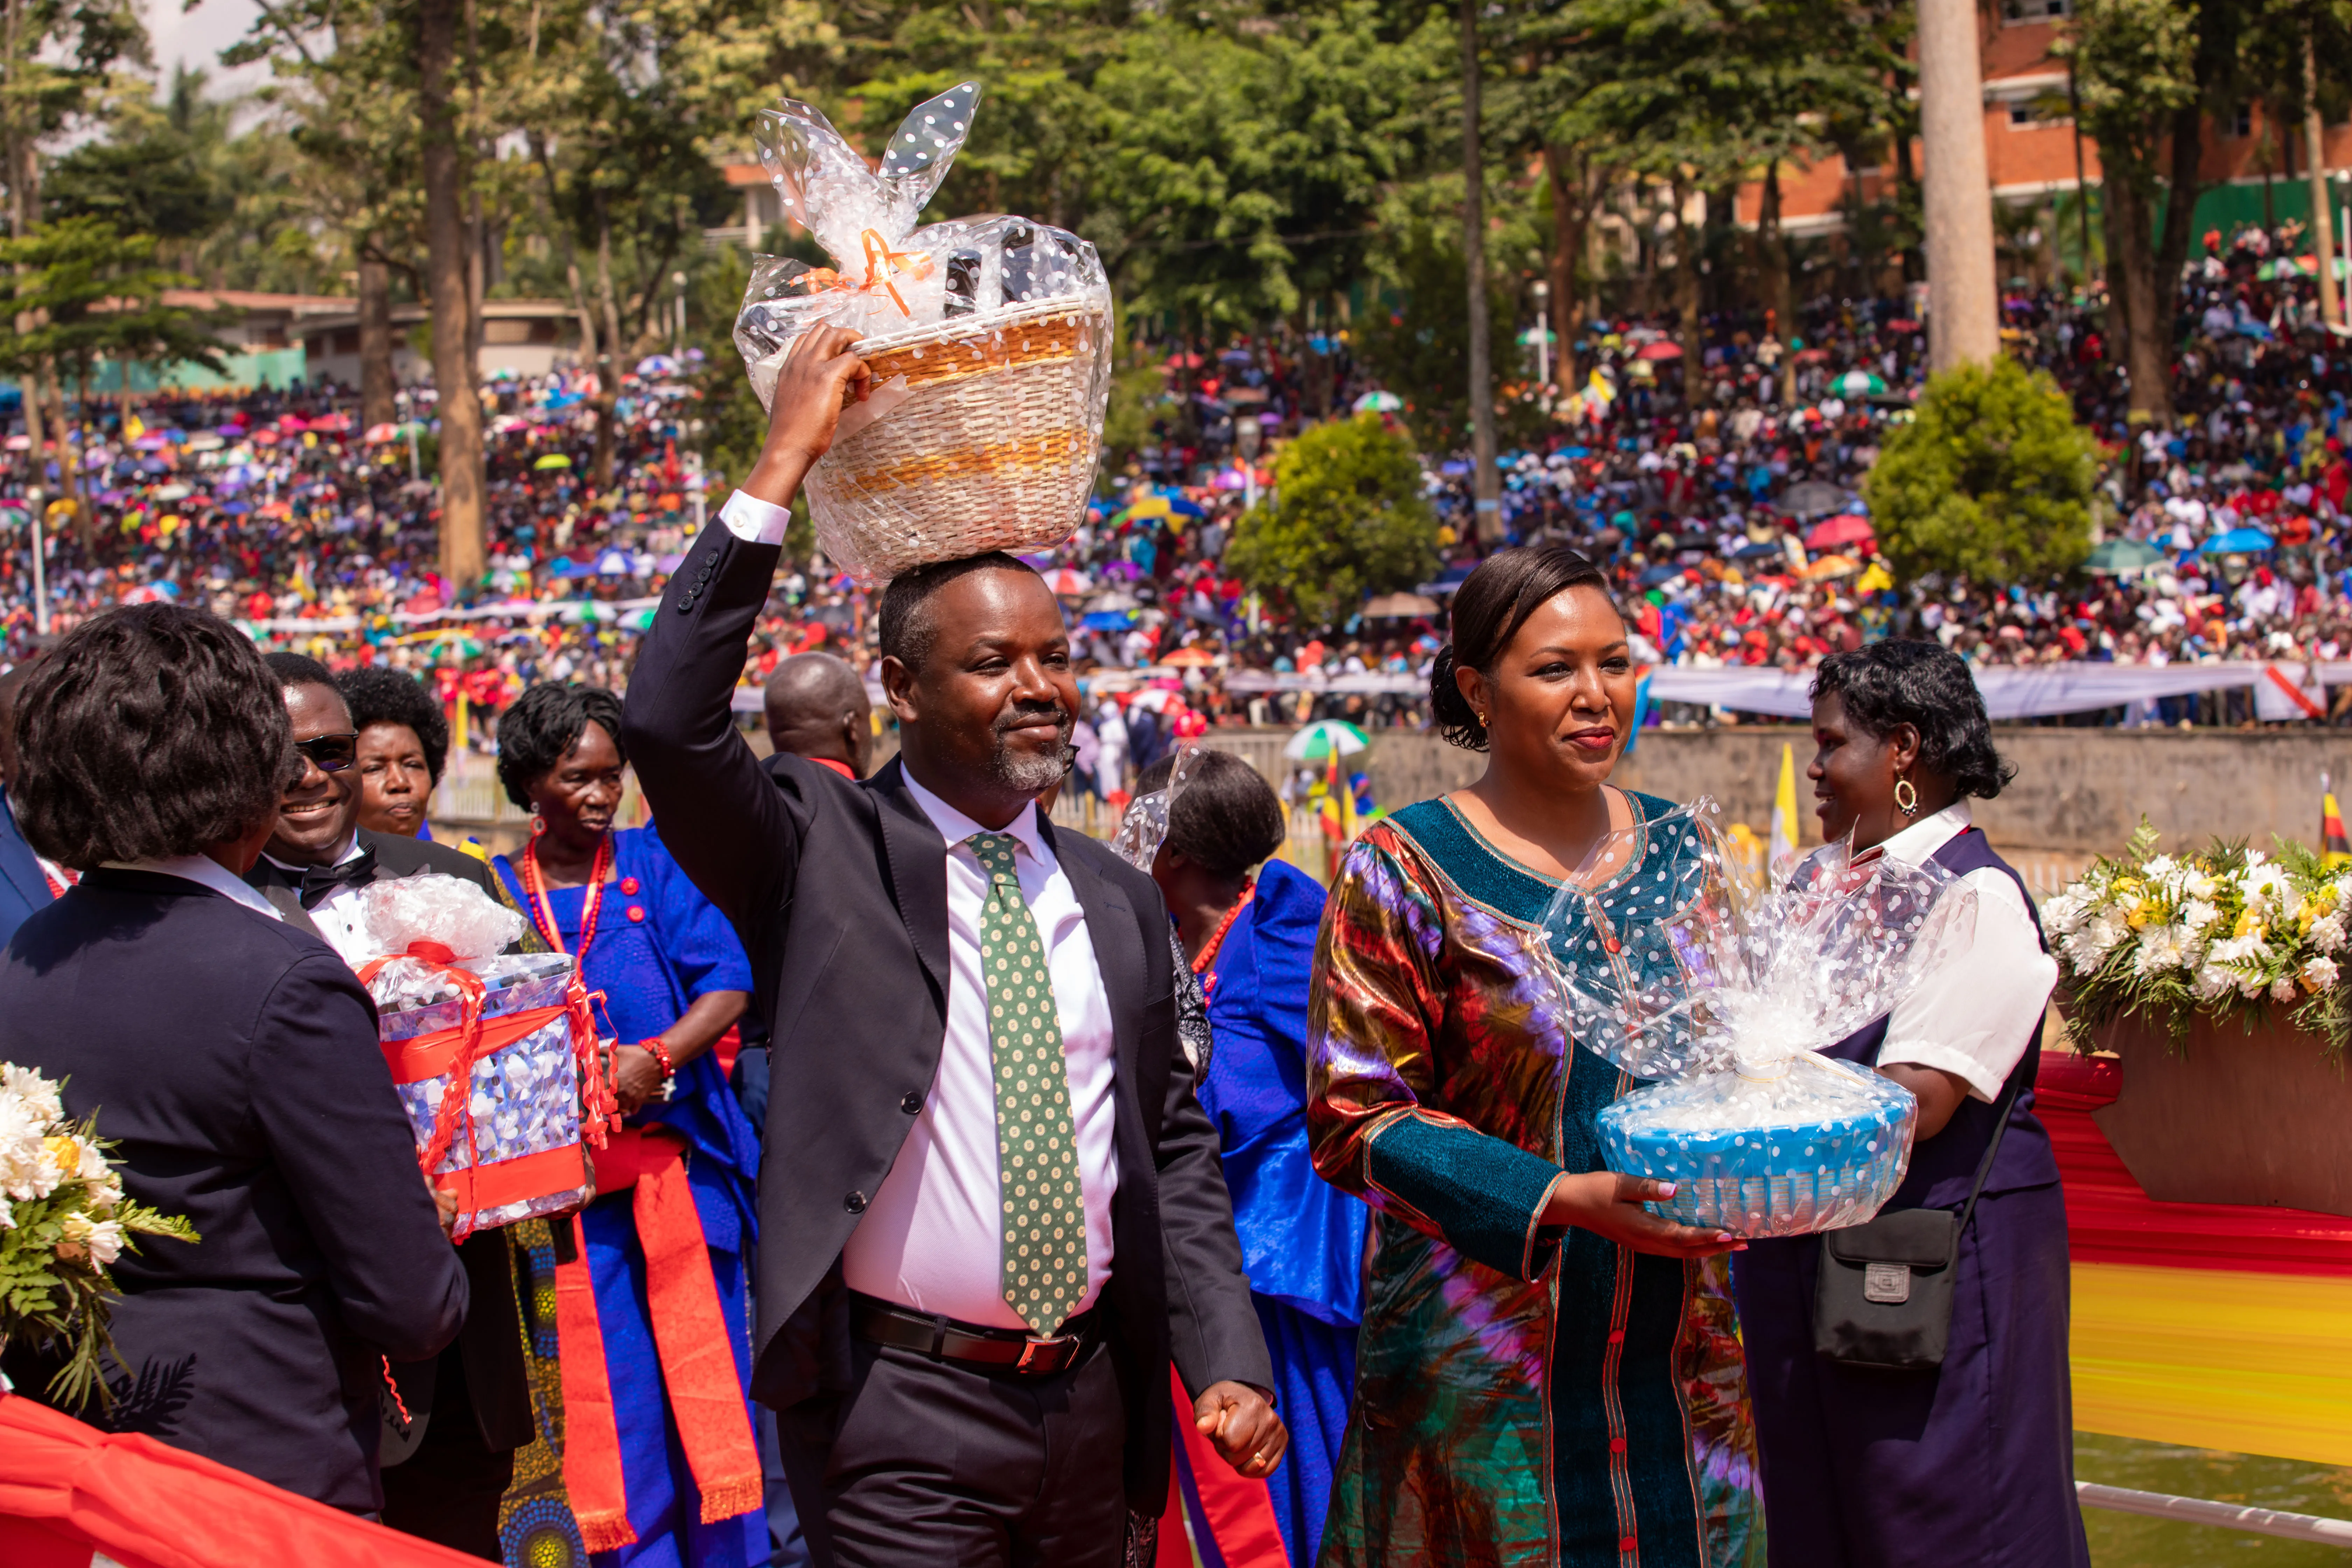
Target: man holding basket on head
{"points": [[991, 1211]]}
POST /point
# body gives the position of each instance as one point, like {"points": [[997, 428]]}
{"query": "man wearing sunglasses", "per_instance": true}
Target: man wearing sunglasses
{"points": [[446, 1468]]}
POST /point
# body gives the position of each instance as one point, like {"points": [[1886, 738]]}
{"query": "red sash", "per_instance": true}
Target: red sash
{"points": [[697, 1359]]}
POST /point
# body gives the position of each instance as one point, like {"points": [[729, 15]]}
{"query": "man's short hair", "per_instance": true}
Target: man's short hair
{"points": [[153, 732], [907, 628], [299, 669]]}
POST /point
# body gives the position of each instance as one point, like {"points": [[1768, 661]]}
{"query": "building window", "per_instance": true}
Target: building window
{"points": [[2242, 123], [2021, 112], [2022, 11]]}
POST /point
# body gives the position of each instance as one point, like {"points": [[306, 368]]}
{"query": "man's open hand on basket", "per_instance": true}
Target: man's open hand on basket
{"points": [[820, 376]]}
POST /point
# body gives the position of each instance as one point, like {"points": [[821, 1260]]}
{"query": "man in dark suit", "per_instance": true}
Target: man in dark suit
{"points": [[234, 1058], [446, 1466], [991, 1211], [24, 883]]}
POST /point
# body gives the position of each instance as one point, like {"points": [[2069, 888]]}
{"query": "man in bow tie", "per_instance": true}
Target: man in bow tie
{"points": [[445, 1468]]}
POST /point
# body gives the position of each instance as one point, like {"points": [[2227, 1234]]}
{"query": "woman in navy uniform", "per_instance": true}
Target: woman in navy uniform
{"points": [[1971, 1461]]}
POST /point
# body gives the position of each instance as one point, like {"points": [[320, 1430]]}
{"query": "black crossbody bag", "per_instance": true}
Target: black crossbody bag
{"points": [[1884, 1295]]}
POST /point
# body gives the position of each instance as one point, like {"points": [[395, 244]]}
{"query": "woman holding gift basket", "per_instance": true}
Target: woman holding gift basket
{"points": [[1547, 1373], [1872, 1465], [660, 1458]]}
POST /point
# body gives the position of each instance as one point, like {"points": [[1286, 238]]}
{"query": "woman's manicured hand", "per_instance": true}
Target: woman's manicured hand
{"points": [[1610, 1206]]}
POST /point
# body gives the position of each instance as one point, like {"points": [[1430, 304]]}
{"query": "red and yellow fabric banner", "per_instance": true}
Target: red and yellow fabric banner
{"points": [[69, 1491], [2210, 1325]]}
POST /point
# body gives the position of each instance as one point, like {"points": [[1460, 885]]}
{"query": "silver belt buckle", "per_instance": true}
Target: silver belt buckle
{"points": [[1033, 1353]]}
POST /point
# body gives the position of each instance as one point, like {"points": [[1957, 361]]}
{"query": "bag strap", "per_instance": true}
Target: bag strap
{"points": [[2001, 1108]]}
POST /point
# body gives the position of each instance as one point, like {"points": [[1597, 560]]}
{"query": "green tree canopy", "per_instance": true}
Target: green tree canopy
{"points": [[1346, 518], [1992, 480]]}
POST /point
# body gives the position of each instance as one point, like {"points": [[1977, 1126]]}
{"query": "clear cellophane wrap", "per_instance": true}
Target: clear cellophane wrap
{"points": [[1727, 1002], [515, 1030], [989, 339]]}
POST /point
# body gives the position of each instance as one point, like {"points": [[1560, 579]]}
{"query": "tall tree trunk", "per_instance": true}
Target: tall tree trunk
{"points": [[2134, 276], [477, 231], [1687, 259], [608, 373], [23, 173], [2128, 221], [1486, 485], [2323, 210], [463, 545], [1907, 182], [1963, 303], [1773, 254], [377, 391], [1571, 217], [2171, 254]]}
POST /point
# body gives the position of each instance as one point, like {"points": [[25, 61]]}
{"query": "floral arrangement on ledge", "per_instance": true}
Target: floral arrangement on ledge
{"points": [[63, 1222], [2227, 931]]}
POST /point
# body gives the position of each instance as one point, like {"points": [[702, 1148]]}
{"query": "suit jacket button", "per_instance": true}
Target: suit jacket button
{"points": [[912, 1104], [854, 1203]]}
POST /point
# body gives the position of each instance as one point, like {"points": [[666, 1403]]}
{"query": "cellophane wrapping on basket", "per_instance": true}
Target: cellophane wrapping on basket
{"points": [[1730, 998], [989, 339], [513, 1027]]}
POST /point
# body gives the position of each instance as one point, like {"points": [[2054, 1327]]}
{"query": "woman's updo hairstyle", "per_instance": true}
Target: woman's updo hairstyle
{"points": [[1493, 603], [1227, 820], [1926, 686], [546, 721]]}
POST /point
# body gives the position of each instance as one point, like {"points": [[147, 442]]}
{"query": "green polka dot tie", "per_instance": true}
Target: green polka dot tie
{"points": [[1044, 1270]]}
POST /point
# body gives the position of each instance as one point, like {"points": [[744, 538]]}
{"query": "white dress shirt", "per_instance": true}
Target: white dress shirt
{"points": [[209, 872], [753, 520], [932, 1238], [337, 915], [1975, 1013]]}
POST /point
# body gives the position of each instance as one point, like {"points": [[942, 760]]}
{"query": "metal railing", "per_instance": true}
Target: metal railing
{"points": [[2223, 1515]]}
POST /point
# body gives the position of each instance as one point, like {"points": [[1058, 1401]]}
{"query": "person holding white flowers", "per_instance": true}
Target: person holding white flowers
{"points": [[1972, 1460], [231, 1057]]}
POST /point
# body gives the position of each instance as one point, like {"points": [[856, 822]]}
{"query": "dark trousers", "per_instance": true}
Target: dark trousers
{"points": [[447, 1492], [1970, 1463], [927, 1462]]}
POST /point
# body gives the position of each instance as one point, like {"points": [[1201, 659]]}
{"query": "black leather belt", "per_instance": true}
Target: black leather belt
{"points": [[1032, 1356]]}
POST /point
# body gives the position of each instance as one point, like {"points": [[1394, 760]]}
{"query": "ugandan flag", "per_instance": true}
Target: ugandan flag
{"points": [[2208, 1325], [2335, 848]]}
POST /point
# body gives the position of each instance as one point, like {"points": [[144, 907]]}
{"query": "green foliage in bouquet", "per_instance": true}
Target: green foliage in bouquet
{"points": [[2227, 931], [63, 1222]]}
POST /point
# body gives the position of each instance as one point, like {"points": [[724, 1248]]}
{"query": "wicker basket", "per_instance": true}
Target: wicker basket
{"points": [[994, 448]]}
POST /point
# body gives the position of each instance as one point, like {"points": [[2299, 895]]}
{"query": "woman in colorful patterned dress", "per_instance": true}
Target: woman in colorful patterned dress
{"points": [[1547, 1373], [659, 1462]]}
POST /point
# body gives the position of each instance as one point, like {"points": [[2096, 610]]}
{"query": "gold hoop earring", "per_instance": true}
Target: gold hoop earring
{"points": [[1909, 807]]}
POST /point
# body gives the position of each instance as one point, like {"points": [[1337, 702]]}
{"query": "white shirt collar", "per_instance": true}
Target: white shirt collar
{"points": [[955, 826], [207, 872], [1916, 843], [351, 851]]}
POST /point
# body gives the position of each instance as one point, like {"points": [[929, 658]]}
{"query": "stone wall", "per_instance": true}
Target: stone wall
{"points": [[2082, 791]]}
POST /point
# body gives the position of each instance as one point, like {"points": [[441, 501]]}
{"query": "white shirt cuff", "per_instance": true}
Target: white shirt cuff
{"points": [[753, 520]]}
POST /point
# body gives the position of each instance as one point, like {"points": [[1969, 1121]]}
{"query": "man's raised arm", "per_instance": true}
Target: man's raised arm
{"points": [[730, 825]]}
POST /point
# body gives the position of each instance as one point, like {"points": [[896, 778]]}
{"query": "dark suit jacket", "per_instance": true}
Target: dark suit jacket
{"points": [[498, 1382], [23, 885], [236, 1059], [839, 889]]}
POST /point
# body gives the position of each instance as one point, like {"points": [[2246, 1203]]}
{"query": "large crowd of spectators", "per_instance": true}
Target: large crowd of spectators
{"points": [[1732, 519]]}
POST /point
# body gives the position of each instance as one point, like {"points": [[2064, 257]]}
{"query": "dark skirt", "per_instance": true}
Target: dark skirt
{"points": [[1973, 1462]]}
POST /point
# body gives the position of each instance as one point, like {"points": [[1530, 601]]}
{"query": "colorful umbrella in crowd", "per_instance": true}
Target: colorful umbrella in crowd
{"points": [[1399, 606], [1189, 658], [2118, 555], [1663, 348], [1847, 528], [1067, 581], [1814, 498], [553, 461], [1325, 738], [2238, 541], [1858, 384], [1379, 402]]}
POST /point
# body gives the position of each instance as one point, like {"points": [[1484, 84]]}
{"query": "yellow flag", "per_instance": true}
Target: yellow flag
{"points": [[1785, 836]]}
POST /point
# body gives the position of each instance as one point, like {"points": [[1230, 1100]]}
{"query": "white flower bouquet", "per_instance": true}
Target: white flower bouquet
{"points": [[63, 1222], [2227, 931]]}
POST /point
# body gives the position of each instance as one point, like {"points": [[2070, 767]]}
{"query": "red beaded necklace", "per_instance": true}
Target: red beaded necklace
{"points": [[1208, 953], [543, 909]]}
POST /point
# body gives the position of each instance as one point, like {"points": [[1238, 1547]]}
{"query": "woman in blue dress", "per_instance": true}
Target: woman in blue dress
{"points": [[1251, 941], [675, 980]]}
